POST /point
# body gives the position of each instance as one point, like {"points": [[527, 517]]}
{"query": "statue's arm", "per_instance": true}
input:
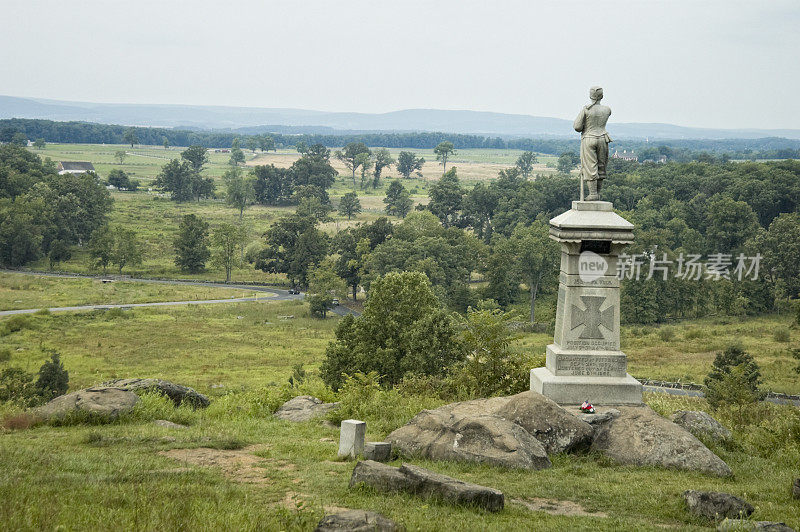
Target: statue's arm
{"points": [[580, 121]]}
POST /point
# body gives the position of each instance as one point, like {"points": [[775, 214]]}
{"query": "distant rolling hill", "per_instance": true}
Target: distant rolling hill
{"points": [[253, 119]]}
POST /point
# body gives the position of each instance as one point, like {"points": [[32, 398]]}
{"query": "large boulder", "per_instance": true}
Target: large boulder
{"points": [[427, 484], [745, 525], [796, 488], [356, 521], [179, 394], [701, 424], [639, 436], [715, 505], [303, 408], [99, 401], [516, 432]]}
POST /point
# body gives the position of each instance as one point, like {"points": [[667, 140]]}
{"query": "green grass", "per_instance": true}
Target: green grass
{"points": [[23, 291]]}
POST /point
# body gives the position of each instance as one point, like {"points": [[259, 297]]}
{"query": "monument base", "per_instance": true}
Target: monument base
{"points": [[569, 390]]}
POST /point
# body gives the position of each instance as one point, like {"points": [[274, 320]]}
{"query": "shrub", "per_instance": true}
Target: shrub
{"points": [[403, 330], [15, 324], [53, 378], [667, 334], [734, 378], [694, 333], [5, 354], [491, 367], [17, 385], [782, 334]]}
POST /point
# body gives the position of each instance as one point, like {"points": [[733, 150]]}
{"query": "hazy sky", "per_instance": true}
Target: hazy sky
{"points": [[697, 63]]}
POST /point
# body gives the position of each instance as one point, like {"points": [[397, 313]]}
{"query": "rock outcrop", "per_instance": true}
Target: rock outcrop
{"points": [[701, 424], [744, 525], [639, 436], [516, 432], [716, 506], [100, 401], [179, 394], [356, 521], [303, 408], [426, 484]]}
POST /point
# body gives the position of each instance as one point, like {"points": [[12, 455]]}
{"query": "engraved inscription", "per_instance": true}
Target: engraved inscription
{"points": [[590, 345], [591, 365]]}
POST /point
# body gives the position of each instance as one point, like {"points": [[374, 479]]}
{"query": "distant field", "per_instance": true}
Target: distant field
{"points": [[21, 291]]}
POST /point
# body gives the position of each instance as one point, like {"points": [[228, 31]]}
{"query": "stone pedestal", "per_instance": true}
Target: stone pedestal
{"points": [[584, 362]]}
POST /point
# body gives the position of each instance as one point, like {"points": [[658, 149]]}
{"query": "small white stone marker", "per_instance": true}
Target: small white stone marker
{"points": [[351, 438]]}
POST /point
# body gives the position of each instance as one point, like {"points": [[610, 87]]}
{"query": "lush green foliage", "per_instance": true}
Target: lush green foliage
{"points": [[734, 378], [398, 201], [191, 244], [349, 205], [53, 379], [402, 331]]}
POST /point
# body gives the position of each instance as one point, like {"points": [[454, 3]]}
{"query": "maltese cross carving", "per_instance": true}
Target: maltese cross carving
{"points": [[592, 318]]}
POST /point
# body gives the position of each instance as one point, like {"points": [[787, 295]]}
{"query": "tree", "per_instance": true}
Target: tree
{"points": [[165, 142], [780, 245], [479, 207], [127, 250], [301, 147], [352, 158], [252, 143], [266, 143], [408, 163], [294, 247], [443, 152], [191, 244], [101, 247], [19, 139], [729, 224], [119, 179], [240, 192], [398, 200], [39, 143], [734, 378], [525, 163], [227, 238], [446, 198], [383, 159], [130, 136], [59, 252], [196, 156], [567, 161], [349, 205], [178, 178], [237, 155], [403, 331], [366, 164], [120, 155], [536, 258], [323, 286], [353, 244], [53, 378]]}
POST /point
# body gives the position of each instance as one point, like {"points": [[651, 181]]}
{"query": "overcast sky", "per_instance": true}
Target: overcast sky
{"points": [[695, 63]]}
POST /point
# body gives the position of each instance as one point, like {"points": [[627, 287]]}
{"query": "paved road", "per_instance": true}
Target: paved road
{"points": [[276, 293]]}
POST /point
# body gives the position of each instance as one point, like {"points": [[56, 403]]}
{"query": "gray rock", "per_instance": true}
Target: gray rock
{"points": [[304, 408], [715, 505], [169, 424], [441, 487], [426, 484], [796, 488], [381, 477], [639, 436], [701, 424], [754, 526], [556, 429], [378, 451], [356, 520], [176, 392], [441, 435], [517, 431], [99, 401]]}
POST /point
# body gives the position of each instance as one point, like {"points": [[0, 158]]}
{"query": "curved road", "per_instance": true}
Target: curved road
{"points": [[276, 294]]}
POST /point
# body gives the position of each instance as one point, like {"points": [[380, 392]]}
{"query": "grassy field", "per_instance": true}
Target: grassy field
{"points": [[260, 473], [20, 291]]}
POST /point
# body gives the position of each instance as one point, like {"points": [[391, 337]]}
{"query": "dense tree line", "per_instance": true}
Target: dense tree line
{"points": [[678, 149], [43, 213]]}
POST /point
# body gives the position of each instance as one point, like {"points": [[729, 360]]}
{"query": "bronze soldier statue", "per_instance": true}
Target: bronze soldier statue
{"points": [[591, 124]]}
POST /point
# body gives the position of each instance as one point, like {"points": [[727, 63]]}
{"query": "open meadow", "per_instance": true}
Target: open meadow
{"points": [[257, 472]]}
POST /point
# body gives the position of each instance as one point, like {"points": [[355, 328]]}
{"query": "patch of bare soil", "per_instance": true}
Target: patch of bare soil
{"points": [[239, 465], [557, 507]]}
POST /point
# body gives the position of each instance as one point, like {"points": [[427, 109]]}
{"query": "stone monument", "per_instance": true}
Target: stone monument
{"points": [[584, 362]]}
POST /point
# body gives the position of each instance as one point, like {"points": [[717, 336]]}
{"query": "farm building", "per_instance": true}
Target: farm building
{"points": [[74, 167], [625, 155]]}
